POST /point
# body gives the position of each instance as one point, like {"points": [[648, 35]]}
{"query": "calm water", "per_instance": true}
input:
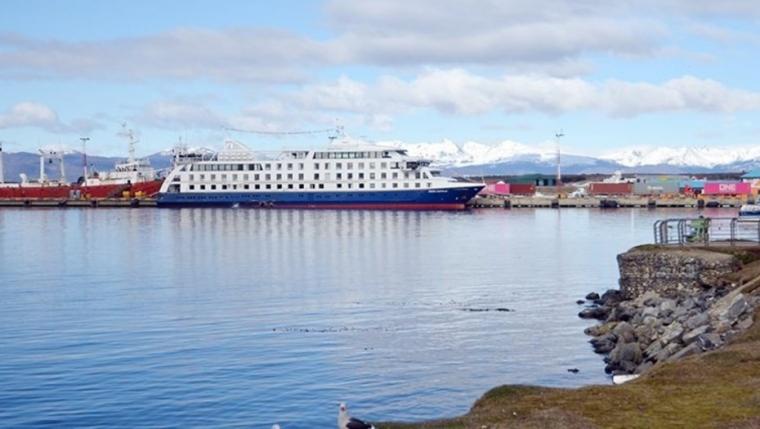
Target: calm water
{"points": [[244, 318]]}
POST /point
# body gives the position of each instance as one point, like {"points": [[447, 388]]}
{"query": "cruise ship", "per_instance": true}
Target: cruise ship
{"points": [[342, 176]]}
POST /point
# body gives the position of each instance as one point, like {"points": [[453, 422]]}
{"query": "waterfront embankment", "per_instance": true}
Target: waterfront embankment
{"points": [[686, 320]]}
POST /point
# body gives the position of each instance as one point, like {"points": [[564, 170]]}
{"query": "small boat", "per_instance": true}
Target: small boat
{"points": [[749, 211]]}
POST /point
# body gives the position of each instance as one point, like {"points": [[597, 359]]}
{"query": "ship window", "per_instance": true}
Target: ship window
{"points": [[203, 187], [339, 165], [300, 186], [350, 176], [191, 177], [395, 175], [339, 185], [279, 186], [257, 186], [372, 186], [290, 166], [350, 165], [290, 186], [213, 177], [256, 177], [371, 165], [311, 185], [348, 186], [383, 175], [279, 166], [269, 186], [361, 185], [279, 176], [383, 165], [234, 186], [418, 175], [213, 187], [430, 185], [234, 177], [338, 176], [321, 186], [327, 165], [372, 176], [361, 175], [417, 184], [224, 177], [395, 185], [202, 176], [240, 167], [267, 166], [251, 166], [300, 166], [192, 187], [361, 166], [382, 185], [224, 186], [246, 186], [268, 177], [316, 176]]}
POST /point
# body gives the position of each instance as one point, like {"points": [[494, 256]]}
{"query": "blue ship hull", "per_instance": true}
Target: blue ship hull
{"points": [[416, 199]]}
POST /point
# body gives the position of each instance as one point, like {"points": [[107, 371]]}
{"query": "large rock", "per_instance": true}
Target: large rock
{"points": [[624, 332], [596, 312], [667, 352], [672, 333], [709, 341], [692, 335], [670, 272], [736, 308], [689, 350], [697, 320]]}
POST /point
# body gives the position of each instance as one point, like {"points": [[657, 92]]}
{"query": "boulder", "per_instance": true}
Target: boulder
{"points": [[672, 333], [650, 311], [667, 306], [692, 335], [603, 344], [596, 312], [689, 350], [744, 324], [667, 351], [599, 330], [611, 297], [643, 367], [593, 296], [736, 308], [645, 334], [580, 302], [697, 320], [624, 332], [709, 341], [648, 298], [653, 349], [623, 352]]}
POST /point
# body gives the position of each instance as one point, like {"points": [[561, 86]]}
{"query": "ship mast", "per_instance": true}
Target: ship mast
{"points": [[130, 135], [84, 157], [2, 169]]}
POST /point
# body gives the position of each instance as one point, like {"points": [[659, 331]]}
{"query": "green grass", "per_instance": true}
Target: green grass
{"points": [[715, 389]]}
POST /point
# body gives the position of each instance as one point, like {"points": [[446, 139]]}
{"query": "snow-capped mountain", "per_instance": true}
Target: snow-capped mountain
{"points": [[685, 156]]}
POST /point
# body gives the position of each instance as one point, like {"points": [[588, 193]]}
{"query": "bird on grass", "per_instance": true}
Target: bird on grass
{"points": [[347, 422]]}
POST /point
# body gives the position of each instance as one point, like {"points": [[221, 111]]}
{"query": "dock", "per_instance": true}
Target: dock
{"points": [[82, 203], [595, 202]]}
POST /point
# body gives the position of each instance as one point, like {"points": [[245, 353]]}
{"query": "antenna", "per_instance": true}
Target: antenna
{"points": [[558, 136]]}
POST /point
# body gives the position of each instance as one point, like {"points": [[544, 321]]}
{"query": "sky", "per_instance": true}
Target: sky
{"points": [[610, 74]]}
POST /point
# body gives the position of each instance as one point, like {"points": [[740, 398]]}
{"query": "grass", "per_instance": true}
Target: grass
{"points": [[711, 390]]}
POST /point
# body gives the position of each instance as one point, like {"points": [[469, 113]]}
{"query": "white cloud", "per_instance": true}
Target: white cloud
{"points": [[173, 114], [457, 91], [31, 114]]}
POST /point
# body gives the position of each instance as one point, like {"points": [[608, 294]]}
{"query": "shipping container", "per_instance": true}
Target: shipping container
{"points": [[602, 188], [522, 188], [727, 188], [499, 188], [657, 187]]}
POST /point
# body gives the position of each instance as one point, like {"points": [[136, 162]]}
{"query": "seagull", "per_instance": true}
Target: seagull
{"points": [[347, 422]]}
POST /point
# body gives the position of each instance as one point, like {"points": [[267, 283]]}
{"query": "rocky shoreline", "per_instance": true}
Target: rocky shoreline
{"points": [[672, 303]]}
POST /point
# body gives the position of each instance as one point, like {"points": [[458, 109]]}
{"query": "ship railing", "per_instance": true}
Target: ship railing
{"points": [[706, 231]]}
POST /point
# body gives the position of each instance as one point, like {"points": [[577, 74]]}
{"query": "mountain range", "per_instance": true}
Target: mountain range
{"points": [[477, 159]]}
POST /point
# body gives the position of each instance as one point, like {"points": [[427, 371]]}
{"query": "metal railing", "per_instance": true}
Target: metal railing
{"points": [[703, 231]]}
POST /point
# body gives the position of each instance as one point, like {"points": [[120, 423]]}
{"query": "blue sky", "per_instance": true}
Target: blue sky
{"points": [[612, 75]]}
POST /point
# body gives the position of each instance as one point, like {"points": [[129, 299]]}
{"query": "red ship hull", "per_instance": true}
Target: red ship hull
{"points": [[64, 192]]}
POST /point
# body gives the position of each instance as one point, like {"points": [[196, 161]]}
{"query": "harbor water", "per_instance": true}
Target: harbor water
{"points": [[246, 318]]}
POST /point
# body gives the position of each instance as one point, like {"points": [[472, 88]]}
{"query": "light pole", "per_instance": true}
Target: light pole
{"points": [[558, 136]]}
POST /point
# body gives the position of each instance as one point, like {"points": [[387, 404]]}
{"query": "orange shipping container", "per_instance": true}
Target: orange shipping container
{"points": [[601, 188]]}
